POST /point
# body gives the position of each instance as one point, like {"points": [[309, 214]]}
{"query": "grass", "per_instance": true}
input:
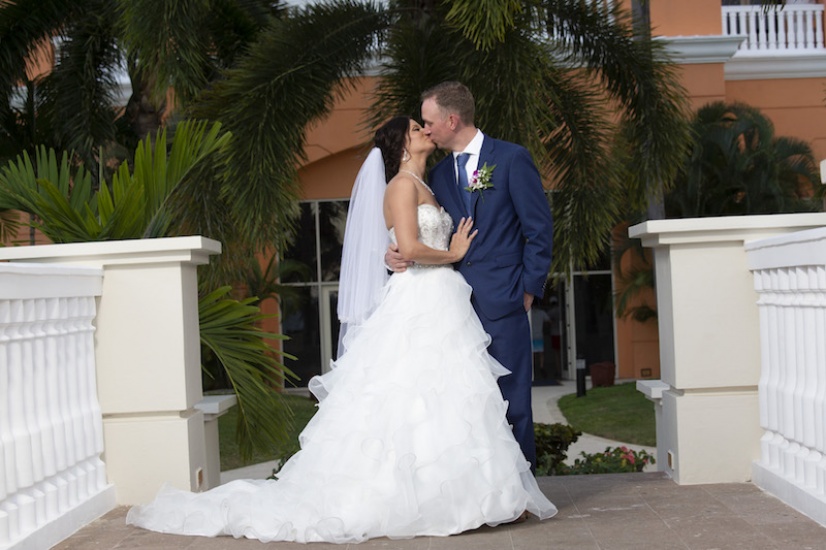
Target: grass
{"points": [[616, 412], [303, 410]]}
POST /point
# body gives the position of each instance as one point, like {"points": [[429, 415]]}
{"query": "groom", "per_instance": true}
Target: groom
{"points": [[508, 262]]}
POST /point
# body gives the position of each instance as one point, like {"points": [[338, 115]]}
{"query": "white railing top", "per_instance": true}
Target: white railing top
{"points": [[727, 228], [793, 29], [802, 248], [22, 281], [195, 250]]}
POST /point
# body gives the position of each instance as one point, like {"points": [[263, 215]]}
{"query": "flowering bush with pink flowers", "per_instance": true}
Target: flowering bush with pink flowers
{"points": [[612, 461]]}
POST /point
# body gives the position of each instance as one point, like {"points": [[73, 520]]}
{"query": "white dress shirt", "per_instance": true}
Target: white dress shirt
{"points": [[474, 148]]}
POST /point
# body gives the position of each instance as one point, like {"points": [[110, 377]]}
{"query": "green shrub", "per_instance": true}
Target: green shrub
{"points": [[552, 442], [612, 461]]}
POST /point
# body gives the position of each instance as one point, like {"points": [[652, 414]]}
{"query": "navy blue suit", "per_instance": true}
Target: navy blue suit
{"points": [[510, 255]]}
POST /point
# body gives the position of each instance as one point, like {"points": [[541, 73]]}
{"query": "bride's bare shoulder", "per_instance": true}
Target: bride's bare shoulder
{"points": [[400, 185]]}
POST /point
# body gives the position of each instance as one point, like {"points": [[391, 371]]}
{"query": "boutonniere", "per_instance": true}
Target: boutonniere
{"points": [[480, 180]]}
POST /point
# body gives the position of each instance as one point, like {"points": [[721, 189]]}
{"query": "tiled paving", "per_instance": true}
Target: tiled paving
{"points": [[644, 511]]}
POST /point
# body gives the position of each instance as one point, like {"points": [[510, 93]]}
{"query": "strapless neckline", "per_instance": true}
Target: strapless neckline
{"points": [[435, 226]]}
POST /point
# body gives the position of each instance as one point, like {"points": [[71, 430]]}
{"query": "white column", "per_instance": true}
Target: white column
{"points": [[148, 358], [709, 341]]}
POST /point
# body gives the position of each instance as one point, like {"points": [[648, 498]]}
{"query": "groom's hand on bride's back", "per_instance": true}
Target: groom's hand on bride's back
{"points": [[394, 260]]}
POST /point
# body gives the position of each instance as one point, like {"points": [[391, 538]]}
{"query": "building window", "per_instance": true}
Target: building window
{"points": [[309, 318]]}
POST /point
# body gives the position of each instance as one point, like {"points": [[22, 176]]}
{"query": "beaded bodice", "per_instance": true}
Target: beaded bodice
{"points": [[435, 227]]}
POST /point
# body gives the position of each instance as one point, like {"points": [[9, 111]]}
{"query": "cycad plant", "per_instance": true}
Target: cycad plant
{"points": [[141, 202]]}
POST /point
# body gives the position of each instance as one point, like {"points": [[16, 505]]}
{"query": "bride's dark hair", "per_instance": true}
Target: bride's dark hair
{"points": [[391, 139]]}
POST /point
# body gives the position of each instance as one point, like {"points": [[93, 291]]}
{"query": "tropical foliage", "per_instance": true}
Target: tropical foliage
{"points": [[543, 71], [139, 202], [737, 165]]}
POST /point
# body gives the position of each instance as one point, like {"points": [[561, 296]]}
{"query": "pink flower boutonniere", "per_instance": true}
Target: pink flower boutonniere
{"points": [[480, 180]]}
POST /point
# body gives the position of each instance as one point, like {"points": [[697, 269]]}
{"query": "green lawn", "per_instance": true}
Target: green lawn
{"points": [[617, 412], [303, 410]]}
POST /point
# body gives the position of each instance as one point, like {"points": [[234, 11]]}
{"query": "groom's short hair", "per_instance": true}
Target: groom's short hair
{"points": [[453, 97]]}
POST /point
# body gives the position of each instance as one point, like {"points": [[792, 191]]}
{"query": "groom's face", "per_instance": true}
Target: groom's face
{"points": [[436, 123]]}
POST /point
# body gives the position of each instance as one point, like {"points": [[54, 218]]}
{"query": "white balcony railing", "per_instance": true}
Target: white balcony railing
{"points": [[790, 278], [51, 431], [793, 29]]}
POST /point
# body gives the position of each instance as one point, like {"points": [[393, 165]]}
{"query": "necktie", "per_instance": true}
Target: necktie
{"points": [[461, 163]]}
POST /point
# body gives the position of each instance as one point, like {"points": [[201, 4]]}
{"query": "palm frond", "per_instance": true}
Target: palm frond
{"points": [[10, 224], [290, 77], [229, 330], [81, 91], [62, 198], [484, 22], [738, 166], [634, 71], [169, 49], [26, 26]]}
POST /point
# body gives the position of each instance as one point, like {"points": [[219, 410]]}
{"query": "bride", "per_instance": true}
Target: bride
{"points": [[410, 436]]}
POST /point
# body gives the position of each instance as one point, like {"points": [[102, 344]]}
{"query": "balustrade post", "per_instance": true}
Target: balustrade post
{"points": [[709, 343]]}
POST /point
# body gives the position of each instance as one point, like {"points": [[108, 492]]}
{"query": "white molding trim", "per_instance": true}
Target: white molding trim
{"points": [[688, 50], [774, 65]]}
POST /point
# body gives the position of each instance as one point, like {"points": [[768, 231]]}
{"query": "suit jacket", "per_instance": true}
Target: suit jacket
{"points": [[512, 252]]}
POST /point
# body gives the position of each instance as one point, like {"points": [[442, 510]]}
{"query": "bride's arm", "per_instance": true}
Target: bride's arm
{"points": [[401, 212]]}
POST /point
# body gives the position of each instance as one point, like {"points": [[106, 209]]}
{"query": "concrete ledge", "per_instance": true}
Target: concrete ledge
{"points": [[195, 250], [68, 523], [652, 389], [216, 405]]}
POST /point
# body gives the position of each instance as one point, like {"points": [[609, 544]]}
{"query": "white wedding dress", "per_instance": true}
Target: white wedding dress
{"points": [[410, 437]]}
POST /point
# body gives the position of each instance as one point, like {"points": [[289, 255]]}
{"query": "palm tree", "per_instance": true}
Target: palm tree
{"points": [[544, 73], [738, 166]]}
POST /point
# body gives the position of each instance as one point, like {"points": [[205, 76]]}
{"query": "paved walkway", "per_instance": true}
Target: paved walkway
{"points": [[644, 511]]}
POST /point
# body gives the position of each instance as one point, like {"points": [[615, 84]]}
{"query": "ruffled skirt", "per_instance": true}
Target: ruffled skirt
{"points": [[410, 438]]}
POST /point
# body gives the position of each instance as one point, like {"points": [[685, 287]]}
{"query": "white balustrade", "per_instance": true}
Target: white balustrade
{"points": [[709, 409], [794, 29], [790, 278], [148, 365], [52, 479]]}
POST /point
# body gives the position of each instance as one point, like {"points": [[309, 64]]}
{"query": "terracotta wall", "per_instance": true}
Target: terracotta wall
{"points": [[338, 145], [796, 107], [686, 17]]}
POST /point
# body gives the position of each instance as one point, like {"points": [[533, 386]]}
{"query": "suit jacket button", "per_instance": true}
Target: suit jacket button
{"points": [[469, 263]]}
